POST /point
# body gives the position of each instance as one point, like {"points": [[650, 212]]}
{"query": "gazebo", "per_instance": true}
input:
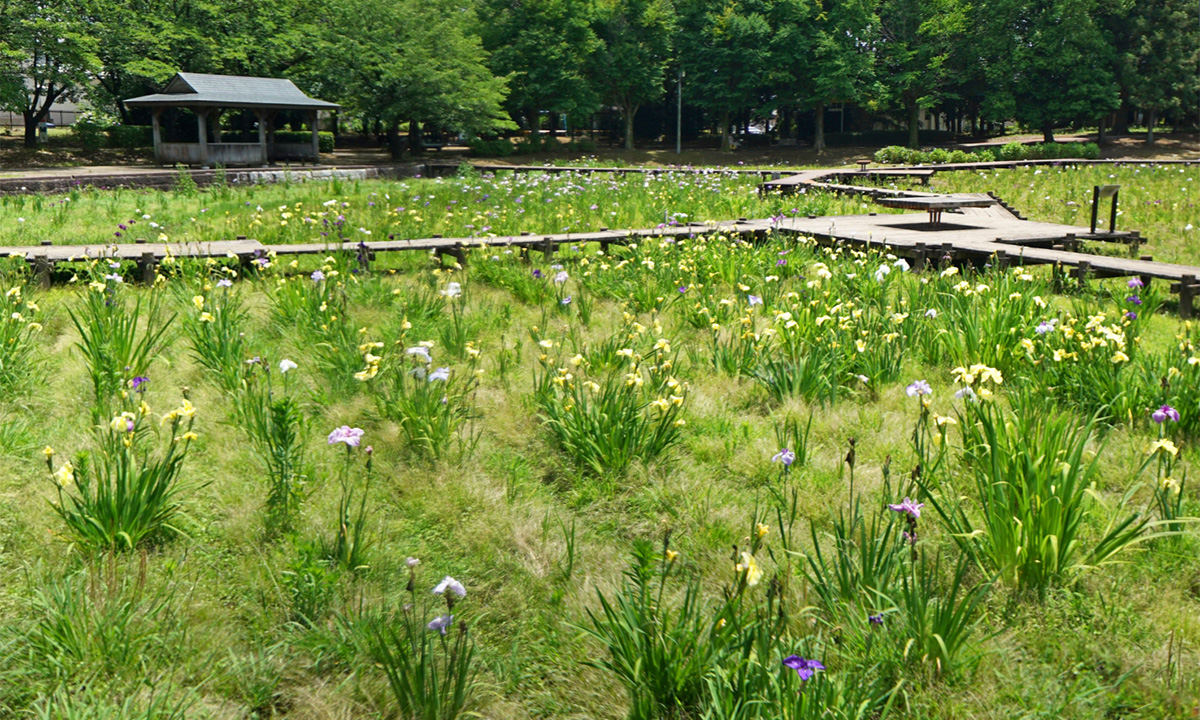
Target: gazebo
{"points": [[208, 96]]}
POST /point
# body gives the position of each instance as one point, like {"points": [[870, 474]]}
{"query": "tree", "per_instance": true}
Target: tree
{"points": [[1161, 64], [1050, 63], [725, 47], [912, 51], [50, 56], [412, 61], [542, 46], [631, 61], [822, 53]]}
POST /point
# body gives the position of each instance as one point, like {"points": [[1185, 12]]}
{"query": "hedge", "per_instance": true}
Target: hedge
{"points": [[894, 154]]}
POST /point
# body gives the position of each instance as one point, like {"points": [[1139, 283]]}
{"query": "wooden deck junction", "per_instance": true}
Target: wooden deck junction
{"points": [[976, 228]]}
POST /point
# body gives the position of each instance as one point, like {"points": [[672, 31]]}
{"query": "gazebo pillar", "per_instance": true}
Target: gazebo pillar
{"points": [[156, 116], [313, 117], [202, 125], [262, 136]]}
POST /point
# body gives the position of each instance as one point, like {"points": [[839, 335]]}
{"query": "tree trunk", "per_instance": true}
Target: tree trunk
{"points": [[553, 124], [724, 130], [534, 122], [1102, 133], [1121, 126], [393, 141], [629, 113], [819, 137], [1151, 121], [1047, 133], [31, 123], [914, 124], [415, 146]]}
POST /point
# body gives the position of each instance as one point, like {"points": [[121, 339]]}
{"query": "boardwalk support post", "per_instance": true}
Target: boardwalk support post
{"points": [[42, 267], [547, 248], [147, 268], [1146, 278], [920, 257], [1187, 287]]}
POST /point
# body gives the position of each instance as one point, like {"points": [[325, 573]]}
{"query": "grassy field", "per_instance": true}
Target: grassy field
{"points": [[454, 207], [693, 479], [1160, 201]]}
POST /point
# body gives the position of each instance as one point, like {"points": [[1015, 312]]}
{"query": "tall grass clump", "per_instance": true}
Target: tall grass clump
{"points": [[117, 338], [18, 329], [216, 331], [277, 426], [1026, 520], [429, 664], [433, 406], [125, 492], [614, 405]]}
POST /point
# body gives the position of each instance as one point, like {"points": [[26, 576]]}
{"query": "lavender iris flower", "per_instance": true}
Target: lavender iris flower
{"points": [[804, 668], [224, 283], [1164, 413], [1135, 283], [918, 388], [442, 373], [346, 434], [785, 456], [754, 300], [449, 583], [317, 276], [441, 623], [908, 507]]}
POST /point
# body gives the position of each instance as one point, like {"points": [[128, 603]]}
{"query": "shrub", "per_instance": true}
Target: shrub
{"points": [[325, 140], [497, 147], [130, 136]]}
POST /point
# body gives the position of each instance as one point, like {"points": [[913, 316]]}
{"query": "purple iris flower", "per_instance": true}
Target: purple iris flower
{"points": [[1164, 413], [804, 668], [1136, 283], [1133, 300], [785, 456], [1044, 328], [440, 623], [908, 507], [1131, 315], [346, 434], [683, 288], [918, 388], [875, 619], [537, 273], [137, 383]]}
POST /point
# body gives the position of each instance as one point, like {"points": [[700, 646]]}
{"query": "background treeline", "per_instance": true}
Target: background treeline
{"points": [[486, 66]]}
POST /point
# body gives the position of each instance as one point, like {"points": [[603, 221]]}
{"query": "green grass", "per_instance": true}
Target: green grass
{"points": [[1160, 201], [239, 615], [469, 206]]}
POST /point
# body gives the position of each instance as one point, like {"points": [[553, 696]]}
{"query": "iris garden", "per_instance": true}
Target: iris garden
{"points": [[681, 478]]}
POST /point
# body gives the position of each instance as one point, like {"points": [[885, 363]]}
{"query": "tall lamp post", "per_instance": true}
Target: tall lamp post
{"points": [[679, 113]]}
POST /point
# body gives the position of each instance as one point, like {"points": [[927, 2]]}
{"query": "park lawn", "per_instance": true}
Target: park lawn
{"points": [[245, 612], [1162, 202]]}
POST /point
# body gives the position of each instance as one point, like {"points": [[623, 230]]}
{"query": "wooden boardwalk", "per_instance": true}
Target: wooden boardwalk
{"points": [[994, 233]]}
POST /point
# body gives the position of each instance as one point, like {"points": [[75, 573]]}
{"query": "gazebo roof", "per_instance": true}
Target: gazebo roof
{"points": [[230, 91]]}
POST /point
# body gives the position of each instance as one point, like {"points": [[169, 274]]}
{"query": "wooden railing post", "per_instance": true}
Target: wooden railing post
{"points": [[147, 268]]}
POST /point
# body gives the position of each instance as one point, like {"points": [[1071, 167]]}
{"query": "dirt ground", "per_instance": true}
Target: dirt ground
{"points": [[16, 160]]}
